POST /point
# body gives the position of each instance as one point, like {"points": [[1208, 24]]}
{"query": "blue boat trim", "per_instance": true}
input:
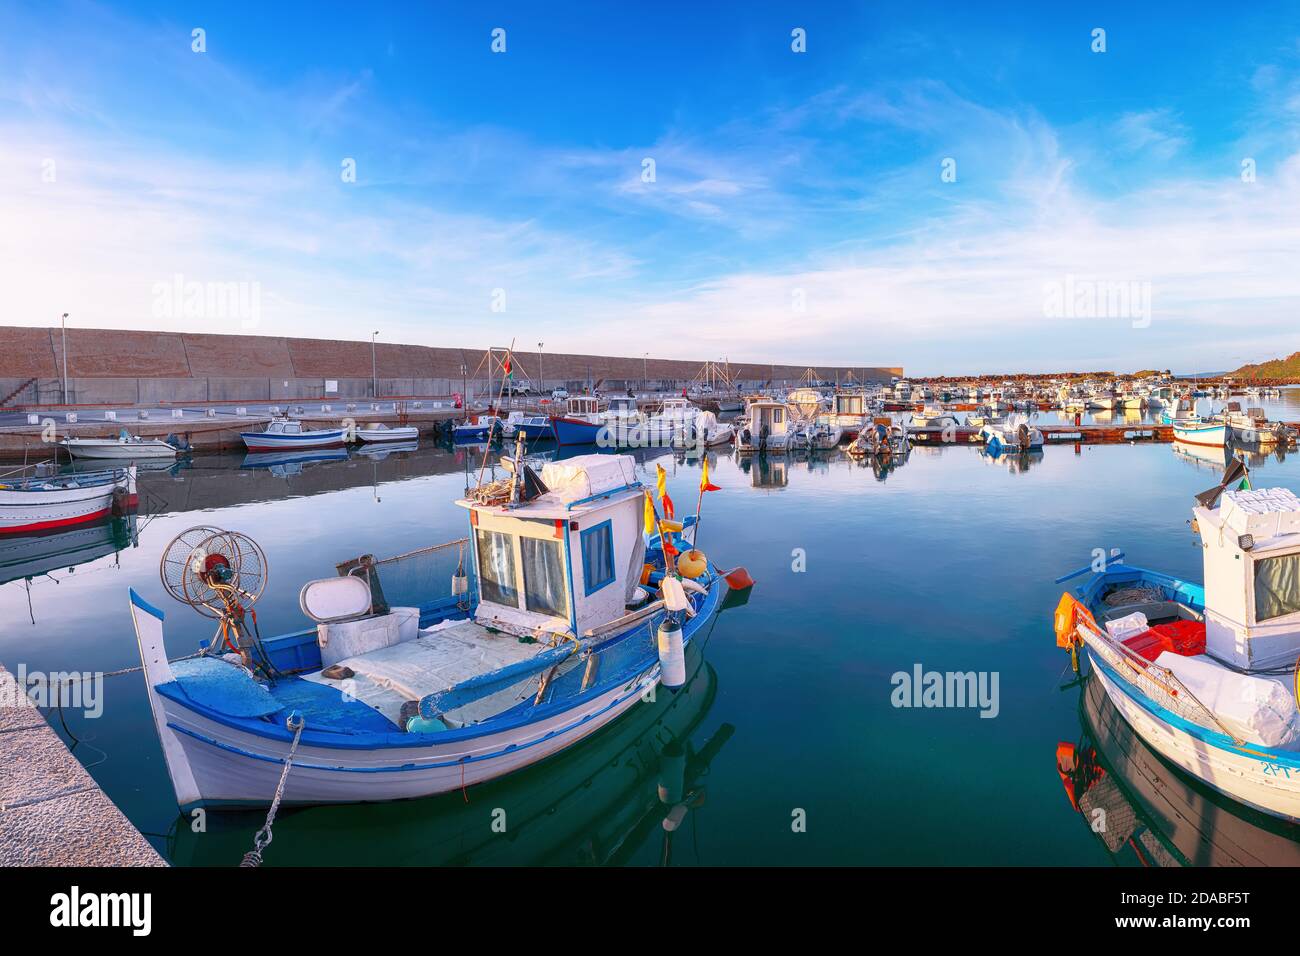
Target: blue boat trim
{"points": [[144, 605]]}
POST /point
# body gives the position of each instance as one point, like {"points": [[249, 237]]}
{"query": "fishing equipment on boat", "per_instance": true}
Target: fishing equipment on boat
{"points": [[220, 574], [692, 564]]}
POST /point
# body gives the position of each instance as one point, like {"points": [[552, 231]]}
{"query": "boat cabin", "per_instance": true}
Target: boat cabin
{"points": [[569, 559], [850, 403], [583, 406], [768, 418], [284, 426], [622, 406], [1251, 546]]}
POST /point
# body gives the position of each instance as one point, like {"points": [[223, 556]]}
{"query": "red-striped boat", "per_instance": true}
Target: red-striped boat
{"points": [[41, 503]]}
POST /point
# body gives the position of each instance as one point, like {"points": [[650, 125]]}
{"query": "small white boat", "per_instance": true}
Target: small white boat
{"points": [[478, 428], [705, 431], [1200, 431], [124, 447], [933, 416], [381, 432], [1253, 427], [286, 434], [1013, 435], [40, 503]]}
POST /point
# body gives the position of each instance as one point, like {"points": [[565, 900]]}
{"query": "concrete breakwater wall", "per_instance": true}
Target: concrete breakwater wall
{"points": [[109, 366]]}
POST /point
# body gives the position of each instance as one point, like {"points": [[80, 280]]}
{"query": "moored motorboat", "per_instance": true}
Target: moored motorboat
{"points": [[40, 503], [1206, 674], [1014, 434], [766, 428], [379, 432], [286, 434], [125, 447]]}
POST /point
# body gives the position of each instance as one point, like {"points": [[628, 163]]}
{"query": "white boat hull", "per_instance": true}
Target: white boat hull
{"points": [[35, 511], [118, 450], [245, 769], [1259, 783], [403, 433]]}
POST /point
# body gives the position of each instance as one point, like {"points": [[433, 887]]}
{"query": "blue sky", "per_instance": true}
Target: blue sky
{"points": [[797, 212]]}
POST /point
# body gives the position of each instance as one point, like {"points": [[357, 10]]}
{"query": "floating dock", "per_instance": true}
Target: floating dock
{"points": [[52, 813]]}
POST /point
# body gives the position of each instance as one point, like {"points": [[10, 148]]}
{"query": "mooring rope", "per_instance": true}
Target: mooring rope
{"points": [[263, 839]]}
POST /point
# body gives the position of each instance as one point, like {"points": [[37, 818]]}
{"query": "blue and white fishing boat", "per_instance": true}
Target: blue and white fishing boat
{"points": [[479, 428], [551, 629], [582, 422], [286, 434], [1206, 675]]}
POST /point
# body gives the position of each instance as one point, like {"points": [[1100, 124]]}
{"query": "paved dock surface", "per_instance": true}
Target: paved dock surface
{"points": [[52, 813]]}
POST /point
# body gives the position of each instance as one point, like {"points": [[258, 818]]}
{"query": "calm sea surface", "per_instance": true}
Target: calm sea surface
{"points": [[785, 746]]}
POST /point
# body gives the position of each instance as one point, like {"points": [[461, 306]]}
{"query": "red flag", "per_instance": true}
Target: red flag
{"points": [[668, 506]]}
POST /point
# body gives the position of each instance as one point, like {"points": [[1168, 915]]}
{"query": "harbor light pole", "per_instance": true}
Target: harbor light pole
{"points": [[374, 369], [645, 374], [63, 322], [541, 379]]}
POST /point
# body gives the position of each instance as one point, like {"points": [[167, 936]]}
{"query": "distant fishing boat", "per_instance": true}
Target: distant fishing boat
{"points": [[40, 503], [284, 434], [380, 432], [561, 615], [581, 422], [1206, 674], [530, 426], [124, 447], [704, 431], [934, 416], [1253, 427], [479, 428]]}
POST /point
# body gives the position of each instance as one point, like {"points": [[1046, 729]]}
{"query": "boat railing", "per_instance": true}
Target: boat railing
{"points": [[1158, 683]]}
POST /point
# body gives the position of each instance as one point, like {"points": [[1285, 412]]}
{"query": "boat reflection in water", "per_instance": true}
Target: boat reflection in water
{"points": [[1211, 457], [1147, 812], [24, 557], [288, 464], [595, 803]]}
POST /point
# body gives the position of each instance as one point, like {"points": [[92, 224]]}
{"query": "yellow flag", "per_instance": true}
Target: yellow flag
{"points": [[662, 481], [649, 515]]}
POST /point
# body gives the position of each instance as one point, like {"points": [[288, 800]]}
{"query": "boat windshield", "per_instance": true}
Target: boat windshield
{"points": [[496, 567], [1277, 586]]}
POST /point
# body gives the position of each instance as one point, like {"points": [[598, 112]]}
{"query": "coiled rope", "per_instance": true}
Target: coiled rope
{"points": [[263, 839]]}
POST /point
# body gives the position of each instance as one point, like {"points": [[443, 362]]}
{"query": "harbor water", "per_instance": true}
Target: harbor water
{"points": [[789, 744]]}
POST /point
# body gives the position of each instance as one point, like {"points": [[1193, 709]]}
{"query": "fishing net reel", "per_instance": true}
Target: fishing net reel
{"points": [[220, 574]]}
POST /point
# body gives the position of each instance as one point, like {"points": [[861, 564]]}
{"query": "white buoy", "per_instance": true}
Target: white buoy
{"points": [[672, 655]]}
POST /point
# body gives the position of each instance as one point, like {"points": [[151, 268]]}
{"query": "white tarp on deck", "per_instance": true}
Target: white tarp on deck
{"points": [[585, 475]]}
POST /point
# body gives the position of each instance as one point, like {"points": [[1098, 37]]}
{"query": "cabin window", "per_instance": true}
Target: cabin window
{"points": [[778, 416], [293, 428], [544, 588], [598, 556], [1277, 586], [496, 568]]}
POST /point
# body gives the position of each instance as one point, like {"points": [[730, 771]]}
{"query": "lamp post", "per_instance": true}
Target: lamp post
{"points": [[374, 369], [541, 379], [63, 322], [645, 373]]}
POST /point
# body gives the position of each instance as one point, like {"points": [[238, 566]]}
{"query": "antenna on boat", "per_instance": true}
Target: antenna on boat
{"points": [[220, 574]]}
